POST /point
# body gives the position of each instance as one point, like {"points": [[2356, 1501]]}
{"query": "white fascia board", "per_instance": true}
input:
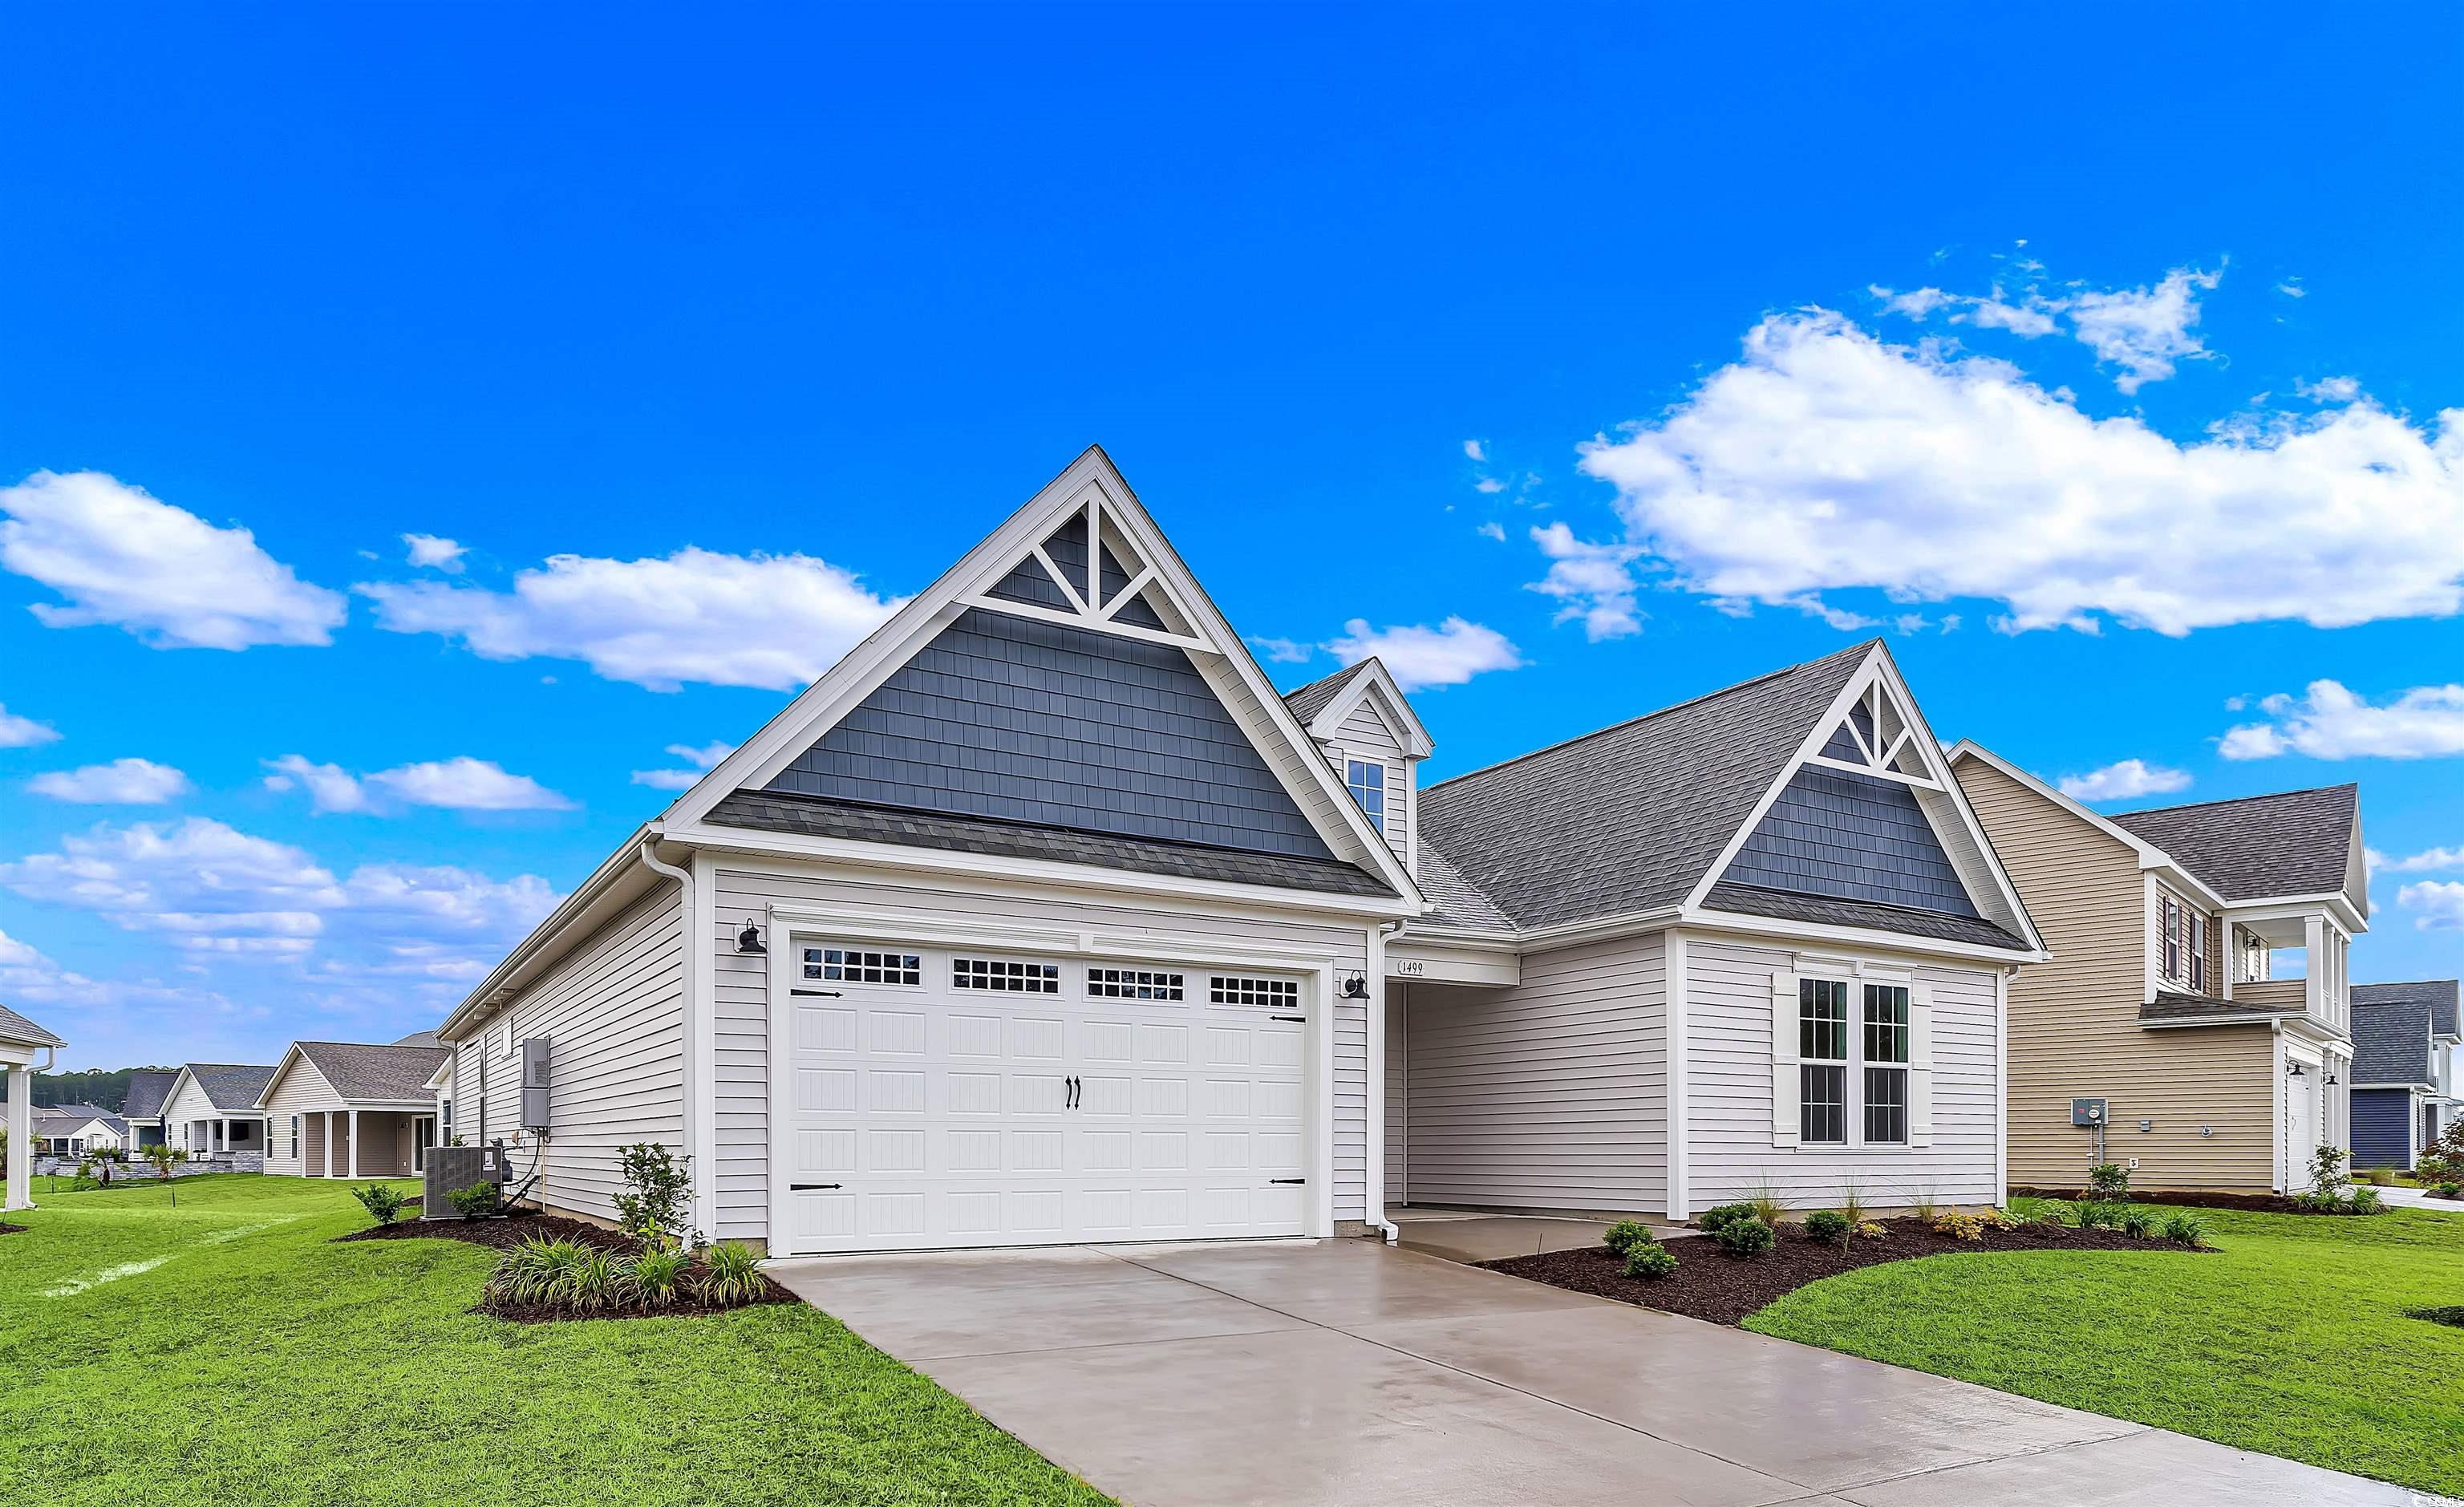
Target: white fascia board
{"points": [[1599, 929], [2288, 908], [1862, 938], [437, 1080], [1374, 684], [861, 860], [625, 860]]}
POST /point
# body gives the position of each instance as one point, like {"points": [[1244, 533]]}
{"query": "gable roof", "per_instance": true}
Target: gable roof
{"points": [[369, 1073], [2390, 1042], [1318, 695], [147, 1088], [232, 1086], [1631, 818], [72, 1110], [2440, 994], [421, 1039], [15, 1027], [2255, 847]]}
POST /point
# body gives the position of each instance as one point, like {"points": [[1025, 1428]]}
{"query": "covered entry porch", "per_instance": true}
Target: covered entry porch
{"points": [[365, 1142]]}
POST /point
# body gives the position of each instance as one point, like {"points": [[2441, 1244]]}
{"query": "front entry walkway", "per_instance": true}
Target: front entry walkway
{"points": [[1343, 1373]]}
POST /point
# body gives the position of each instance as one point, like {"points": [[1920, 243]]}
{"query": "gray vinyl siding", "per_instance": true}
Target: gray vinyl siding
{"points": [[1399, 1095], [1552, 1094], [613, 1009], [741, 1013], [1728, 1069], [1364, 736]]}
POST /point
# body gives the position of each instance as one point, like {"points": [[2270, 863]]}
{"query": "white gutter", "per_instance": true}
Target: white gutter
{"points": [[705, 1214], [1379, 936]]}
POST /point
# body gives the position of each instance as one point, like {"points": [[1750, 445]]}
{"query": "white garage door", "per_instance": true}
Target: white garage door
{"points": [[937, 1098]]}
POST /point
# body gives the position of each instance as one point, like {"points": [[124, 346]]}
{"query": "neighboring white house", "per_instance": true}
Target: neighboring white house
{"points": [[21, 1042], [352, 1109], [212, 1113], [1042, 917], [75, 1129]]}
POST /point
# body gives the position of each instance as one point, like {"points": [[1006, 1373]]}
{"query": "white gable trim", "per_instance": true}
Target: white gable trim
{"points": [[1374, 685], [2151, 856], [1879, 669], [1090, 484]]}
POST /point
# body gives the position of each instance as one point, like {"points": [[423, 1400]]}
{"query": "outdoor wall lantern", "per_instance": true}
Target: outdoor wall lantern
{"points": [[2294, 1071], [749, 940], [1355, 986]]}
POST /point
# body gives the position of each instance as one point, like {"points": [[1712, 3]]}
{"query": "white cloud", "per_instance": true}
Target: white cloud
{"points": [[122, 782], [1284, 651], [1417, 656], [1914, 304], [2429, 860], [1488, 485], [429, 551], [2124, 781], [24, 732], [703, 759], [770, 620], [1473, 450], [1827, 459], [455, 784], [2330, 389], [2292, 290], [2031, 318], [1493, 530], [2332, 723], [2144, 330], [1593, 583], [124, 557], [2441, 905]]}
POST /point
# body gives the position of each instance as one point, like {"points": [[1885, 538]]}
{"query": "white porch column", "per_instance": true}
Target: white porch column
{"points": [[221, 1135], [21, 1139], [355, 1145], [329, 1143]]}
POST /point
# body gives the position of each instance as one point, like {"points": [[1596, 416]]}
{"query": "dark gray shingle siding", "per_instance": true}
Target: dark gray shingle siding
{"points": [[1013, 720], [1851, 836]]}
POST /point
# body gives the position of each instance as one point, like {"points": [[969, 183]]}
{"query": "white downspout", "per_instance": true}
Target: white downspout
{"points": [[705, 1214], [1378, 937]]}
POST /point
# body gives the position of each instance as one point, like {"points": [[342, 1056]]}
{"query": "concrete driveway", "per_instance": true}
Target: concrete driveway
{"points": [[1343, 1373]]}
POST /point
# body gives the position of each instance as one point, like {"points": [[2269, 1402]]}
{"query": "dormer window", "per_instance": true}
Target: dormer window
{"points": [[1368, 783]]}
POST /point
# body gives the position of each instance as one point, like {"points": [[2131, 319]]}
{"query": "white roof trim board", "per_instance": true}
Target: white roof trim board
{"points": [[1373, 683], [2151, 856]]}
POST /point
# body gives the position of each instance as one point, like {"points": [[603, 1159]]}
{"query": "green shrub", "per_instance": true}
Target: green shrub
{"points": [[2186, 1230], [382, 1204], [654, 1208], [2447, 1190], [591, 1282], [1958, 1226], [2364, 1201], [2451, 1314], [1714, 1220], [1650, 1260], [1747, 1236], [477, 1201], [1870, 1230], [656, 1278], [2089, 1215], [533, 1271], [84, 1183], [2108, 1183], [2139, 1224], [731, 1275], [1828, 1224], [1625, 1235]]}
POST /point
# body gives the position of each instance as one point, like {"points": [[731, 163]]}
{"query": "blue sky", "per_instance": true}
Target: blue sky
{"points": [[581, 384]]}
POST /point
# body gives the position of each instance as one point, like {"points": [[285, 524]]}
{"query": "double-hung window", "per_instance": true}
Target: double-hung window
{"points": [[2172, 937], [1886, 1065], [1368, 783], [1822, 1072]]}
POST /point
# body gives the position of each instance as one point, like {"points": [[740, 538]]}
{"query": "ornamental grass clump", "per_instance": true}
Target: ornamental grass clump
{"points": [[731, 1275], [2140, 1224], [2186, 1230], [656, 1278]]}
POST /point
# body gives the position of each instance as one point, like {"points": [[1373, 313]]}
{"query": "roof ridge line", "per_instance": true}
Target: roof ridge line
{"points": [[2234, 800]]}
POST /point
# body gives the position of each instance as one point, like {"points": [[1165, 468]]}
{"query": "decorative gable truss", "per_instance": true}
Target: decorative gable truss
{"points": [[1082, 556]]}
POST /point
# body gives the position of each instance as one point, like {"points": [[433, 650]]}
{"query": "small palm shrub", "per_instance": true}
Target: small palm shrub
{"points": [[2138, 1223], [731, 1274], [1749, 1237], [382, 1204], [2364, 1201], [1714, 1220], [1958, 1226], [2186, 1230], [1828, 1225], [1649, 1262], [1624, 1235], [656, 1278]]}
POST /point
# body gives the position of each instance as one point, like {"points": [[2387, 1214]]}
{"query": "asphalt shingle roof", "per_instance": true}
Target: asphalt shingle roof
{"points": [[1788, 906], [2438, 993], [147, 1088], [232, 1086], [15, 1027], [1629, 817], [1460, 904], [362, 1071], [2390, 1042], [421, 1039], [1313, 698], [809, 815], [2170, 1005], [2294, 842]]}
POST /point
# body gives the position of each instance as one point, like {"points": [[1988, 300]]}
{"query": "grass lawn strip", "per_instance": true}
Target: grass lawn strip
{"points": [[271, 1365], [2294, 1340]]}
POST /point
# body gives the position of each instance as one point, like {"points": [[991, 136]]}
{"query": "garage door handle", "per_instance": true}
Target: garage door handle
{"points": [[1303, 1019], [1288, 1180], [818, 994], [1072, 1100], [809, 1187]]}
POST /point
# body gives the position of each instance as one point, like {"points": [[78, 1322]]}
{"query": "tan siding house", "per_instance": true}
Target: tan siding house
{"points": [[351, 1109]]}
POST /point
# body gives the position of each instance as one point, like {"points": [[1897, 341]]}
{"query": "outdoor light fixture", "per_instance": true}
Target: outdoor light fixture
{"points": [[749, 940], [2331, 1080], [2294, 1071], [1357, 987]]}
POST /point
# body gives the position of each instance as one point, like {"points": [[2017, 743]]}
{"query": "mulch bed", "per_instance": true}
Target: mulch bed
{"points": [[1711, 1284], [2254, 1203], [10, 1229], [512, 1229]]}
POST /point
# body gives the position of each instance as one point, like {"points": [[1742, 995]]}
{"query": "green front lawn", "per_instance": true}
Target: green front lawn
{"points": [[228, 1351], [2293, 1340]]}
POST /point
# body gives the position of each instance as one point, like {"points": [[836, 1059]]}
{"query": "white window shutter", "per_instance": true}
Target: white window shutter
{"points": [[1920, 1065], [1785, 1122]]}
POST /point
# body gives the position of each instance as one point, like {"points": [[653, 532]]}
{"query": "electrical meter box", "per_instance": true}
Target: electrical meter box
{"points": [[535, 1081], [2083, 1111]]}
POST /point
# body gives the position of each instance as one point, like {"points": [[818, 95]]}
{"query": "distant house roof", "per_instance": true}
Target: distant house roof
{"points": [[78, 1112], [1628, 818], [421, 1039], [1314, 697], [147, 1088], [2438, 993], [16, 1027], [232, 1086], [376, 1074], [2390, 1042], [2294, 842], [2170, 1007]]}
